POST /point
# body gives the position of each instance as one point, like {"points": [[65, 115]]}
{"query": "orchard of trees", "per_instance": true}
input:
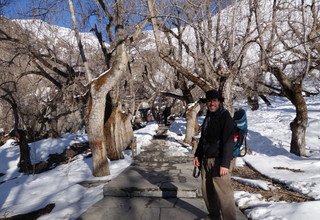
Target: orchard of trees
{"points": [[56, 80]]}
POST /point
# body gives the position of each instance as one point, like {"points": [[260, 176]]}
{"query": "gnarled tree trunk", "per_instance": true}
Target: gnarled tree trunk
{"points": [[96, 111], [299, 126], [97, 140], [118, 132], [293, 91], [228, 94], [101, 86], [192, 124], [24, 161]]}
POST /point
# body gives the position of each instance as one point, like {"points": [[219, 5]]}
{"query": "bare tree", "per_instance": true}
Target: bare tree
{"points": [[287, 54], [22, 50], [100, 87], [8, 90], [109, 130], [212, 43], [35, 84]]}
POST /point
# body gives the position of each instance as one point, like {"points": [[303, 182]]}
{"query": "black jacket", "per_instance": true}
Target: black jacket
{"points": [[216, 139]]}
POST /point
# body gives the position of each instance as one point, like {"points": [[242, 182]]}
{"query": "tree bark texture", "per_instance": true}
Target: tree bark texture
{"points": [[97, 140], [24, 161], [228, 94], [192, 124], [119, 133], [299, 126]]}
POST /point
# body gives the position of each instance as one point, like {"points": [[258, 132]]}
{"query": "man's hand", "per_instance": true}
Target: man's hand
{"points": [[196, 162], [223, 171]]}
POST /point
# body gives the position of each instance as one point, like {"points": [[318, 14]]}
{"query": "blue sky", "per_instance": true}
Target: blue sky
{"points": [[54, 12], [57, 14]]}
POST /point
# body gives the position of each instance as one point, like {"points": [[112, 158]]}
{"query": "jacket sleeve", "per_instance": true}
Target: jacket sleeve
{"points": [[199, 150], [227, 139]]}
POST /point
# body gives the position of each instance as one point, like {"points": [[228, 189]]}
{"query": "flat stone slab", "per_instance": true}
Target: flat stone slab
{"points": [[144, 208], [136, 181]]}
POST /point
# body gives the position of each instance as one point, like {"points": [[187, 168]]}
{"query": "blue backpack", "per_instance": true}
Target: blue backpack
{"points": [[240, 136]]}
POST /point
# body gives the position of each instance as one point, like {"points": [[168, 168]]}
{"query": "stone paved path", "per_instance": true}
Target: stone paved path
{"points": [[157, 186]]}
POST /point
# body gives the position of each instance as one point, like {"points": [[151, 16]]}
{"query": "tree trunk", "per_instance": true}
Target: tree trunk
{"points": [[118, 132], [192, 124], [253, 102], [227, 93], [24, 161], [80, 45], [265, 99], [100, 87], [97, 140], [52, 126], [293, 91], [298, 127]]}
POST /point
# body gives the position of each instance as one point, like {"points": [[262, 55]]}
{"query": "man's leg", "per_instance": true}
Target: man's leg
{"points": [[225, 193], [209, 194]]}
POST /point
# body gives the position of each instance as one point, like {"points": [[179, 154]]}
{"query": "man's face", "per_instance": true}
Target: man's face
{"points": [[213, 105]]}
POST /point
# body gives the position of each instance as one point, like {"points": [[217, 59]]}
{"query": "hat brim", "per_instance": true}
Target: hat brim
{"points": [[204, 100]]}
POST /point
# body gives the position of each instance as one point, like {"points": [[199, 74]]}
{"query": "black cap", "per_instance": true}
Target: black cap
{"points": [[212, 94]]}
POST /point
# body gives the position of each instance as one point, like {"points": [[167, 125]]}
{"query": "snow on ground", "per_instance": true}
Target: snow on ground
{"points": [[269, 138]]}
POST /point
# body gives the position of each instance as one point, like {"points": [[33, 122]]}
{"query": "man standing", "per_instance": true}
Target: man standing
{"points": [[214, 154]]}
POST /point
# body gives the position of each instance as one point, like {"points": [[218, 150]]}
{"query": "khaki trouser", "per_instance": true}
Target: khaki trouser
{"points": [[217, 191]]}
